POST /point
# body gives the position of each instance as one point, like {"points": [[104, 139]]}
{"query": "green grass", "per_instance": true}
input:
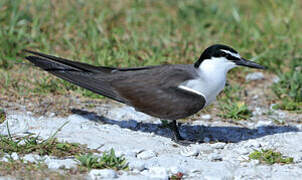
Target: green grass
{"points": [[107, 160], [289, 88], [34, 144], [231, 104], [138, 33], [270, 156], [237, 110]]}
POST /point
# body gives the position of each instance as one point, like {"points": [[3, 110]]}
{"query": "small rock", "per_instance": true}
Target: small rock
{"points": [[255, 97], [174, 170], [206, 117], [254, 162], [146, 155], [252, 143], [97, 174], [189, 151], [32, 158], [14, 156], [158, 173], [263, 123], [281, 114], [276, 79], [258, 111], [59, 164], [219, 145], [138, 165], [242, 150], [215, 157], [205, 148], [52, 114], [254, 76]]}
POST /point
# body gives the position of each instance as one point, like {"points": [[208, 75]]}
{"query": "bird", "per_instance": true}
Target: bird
{"points": [[169, 92]]}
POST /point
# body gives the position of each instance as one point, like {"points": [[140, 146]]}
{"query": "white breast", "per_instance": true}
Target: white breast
{"points": [[212, 78]]}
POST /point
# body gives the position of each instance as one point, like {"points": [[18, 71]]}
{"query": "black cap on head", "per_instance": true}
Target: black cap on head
{"points": [[213, 51]]}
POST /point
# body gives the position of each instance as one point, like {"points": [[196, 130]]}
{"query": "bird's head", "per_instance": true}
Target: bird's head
{"points": [[222, 56]]}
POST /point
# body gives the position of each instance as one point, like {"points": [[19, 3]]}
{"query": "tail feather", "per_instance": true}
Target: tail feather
{"points": [[79, 65], [83, 75]]}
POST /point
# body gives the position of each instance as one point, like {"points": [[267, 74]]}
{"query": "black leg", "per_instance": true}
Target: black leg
{"points": [[174, 127], [176, 136]]}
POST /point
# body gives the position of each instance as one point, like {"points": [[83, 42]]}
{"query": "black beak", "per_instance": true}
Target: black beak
{"points": [[247, 63]]}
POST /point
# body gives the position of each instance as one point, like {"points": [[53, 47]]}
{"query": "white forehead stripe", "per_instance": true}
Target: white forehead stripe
{"points": [[191, 90], [231, 53]]}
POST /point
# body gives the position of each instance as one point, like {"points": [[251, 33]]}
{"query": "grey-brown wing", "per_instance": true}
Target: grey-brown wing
{"points": [[155, 91]]}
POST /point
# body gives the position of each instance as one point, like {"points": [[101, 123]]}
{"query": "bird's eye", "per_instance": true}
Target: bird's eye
{"points": [[224, 54]]}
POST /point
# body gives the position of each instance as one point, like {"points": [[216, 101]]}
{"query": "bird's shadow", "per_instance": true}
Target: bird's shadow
{"points": [[228, 134]]}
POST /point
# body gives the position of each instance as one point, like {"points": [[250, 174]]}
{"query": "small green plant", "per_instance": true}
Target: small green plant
{"points": [[2, 116], [107, 160], [289, 88], [231, 106], [270, 157], [237, 110]]}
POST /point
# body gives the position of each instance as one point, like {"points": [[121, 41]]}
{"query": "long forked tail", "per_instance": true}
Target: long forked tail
{"points": [[81, 74]]}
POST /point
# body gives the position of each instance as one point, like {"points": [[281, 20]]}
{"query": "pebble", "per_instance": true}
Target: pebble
{"points": [[206, 117], [263, 123], [61, 163], [137, 164], [252, 143], [217, 172], [276, 79], [189, 151], [219, 145], [14, 156], [254, 76], [158, 173], [215, 157], [97, 174], [175, 169], [258, 111], [32, 158], [242, 150], [205, 148], [254, 162], [146, 154]]}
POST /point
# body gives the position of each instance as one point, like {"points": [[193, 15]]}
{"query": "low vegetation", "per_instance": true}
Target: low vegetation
{"points": [[107, 160], [232, 105], [270, 156], [289, 87], [2, 116], [34, 144]]}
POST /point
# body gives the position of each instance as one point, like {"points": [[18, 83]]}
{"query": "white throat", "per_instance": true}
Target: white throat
{"points": [[212, 78]]}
